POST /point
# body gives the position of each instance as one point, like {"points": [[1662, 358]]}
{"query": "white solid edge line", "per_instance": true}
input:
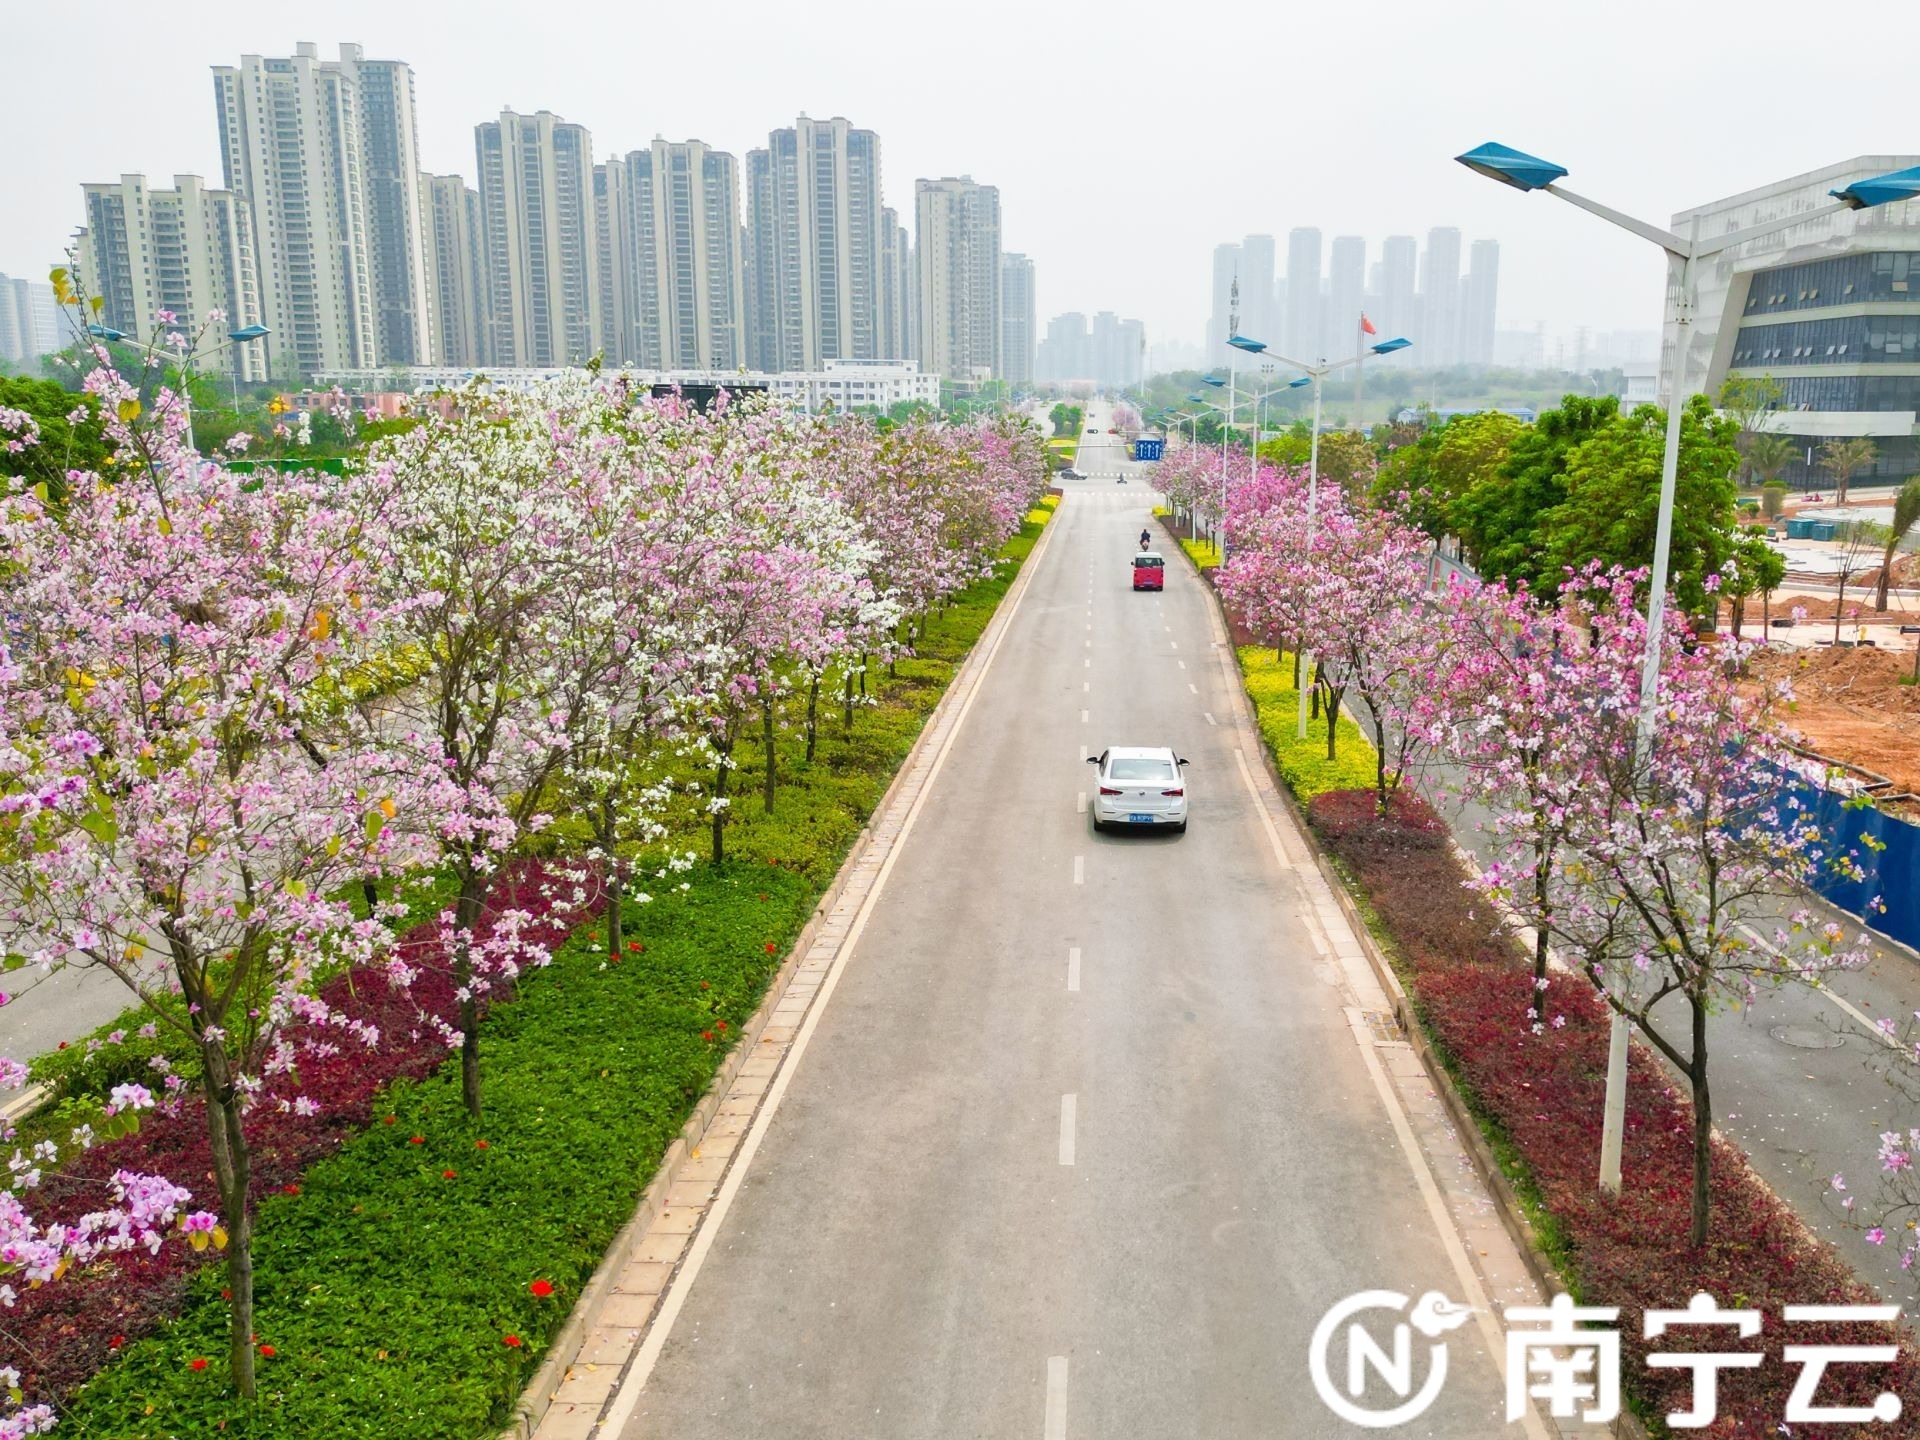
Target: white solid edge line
{"points": [[1865, 1021], [641, 1367], [1463, 1271], [1073, 968], [1069, 1104], [1056, 1420]]}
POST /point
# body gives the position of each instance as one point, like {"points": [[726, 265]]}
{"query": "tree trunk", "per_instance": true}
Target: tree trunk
{"points": [[720, 793], [1333, 718], [473, 894], [1299, 643], [1702, 1123], [1542, 873], [813, 715], [370, 892], [766, 743], [1739, 614], [863, 675], [846, 715], [1839, 606], [232, 1175], [1886, 577], [615, 885]]}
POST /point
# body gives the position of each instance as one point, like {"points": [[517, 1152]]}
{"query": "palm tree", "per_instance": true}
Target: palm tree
{"points": [[1769, 454], [1843, 459], [1906, 510]]}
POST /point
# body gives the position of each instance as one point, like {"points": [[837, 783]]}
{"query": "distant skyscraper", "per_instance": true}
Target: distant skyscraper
{"points": [[29, 320], [813, 215], [295, 140], [957, 233], [1346, 295], [1481, 295], [1303, 330], [899, 287], [672, 290], [1400, 289], [1065, 354], [1440, 297], [537, 204], [396, 210], [188, 250], [1257, 317], [1226, 272], [1018, 321], [456, 262]]}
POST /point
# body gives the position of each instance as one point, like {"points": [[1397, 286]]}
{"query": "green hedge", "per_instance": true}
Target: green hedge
{"points": [[1303, 764], [386, 1289]]}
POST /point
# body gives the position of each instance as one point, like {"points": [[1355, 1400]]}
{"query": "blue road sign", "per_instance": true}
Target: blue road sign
{"points": [[1148, 449]]}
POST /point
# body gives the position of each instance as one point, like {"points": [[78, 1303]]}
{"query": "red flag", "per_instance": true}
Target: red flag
{"points": [[1366, 324]]}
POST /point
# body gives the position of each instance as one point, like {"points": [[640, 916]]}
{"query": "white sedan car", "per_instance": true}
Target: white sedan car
{"points": [[1141, 786]]}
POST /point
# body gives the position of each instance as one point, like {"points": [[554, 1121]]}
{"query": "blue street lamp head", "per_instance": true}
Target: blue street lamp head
{"points": [[1512, 167], [1880, 190], [1241, 342], [106, 332], [1296, 384], [248, 332], [1196, 399], [1387, 347], [1209, 380]]}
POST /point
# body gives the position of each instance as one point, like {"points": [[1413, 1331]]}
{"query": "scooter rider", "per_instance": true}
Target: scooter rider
{"points": [[1146, 539]]}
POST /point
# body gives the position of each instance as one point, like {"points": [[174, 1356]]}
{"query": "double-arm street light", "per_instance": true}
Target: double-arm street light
{"points": [[1315, 375], [244, 335], [1529, 172]]}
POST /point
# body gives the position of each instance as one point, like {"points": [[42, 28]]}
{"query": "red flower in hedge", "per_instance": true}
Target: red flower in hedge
{"points": [[418, 1140], [769, 947], [512, 1342], [634, 946], [479, 1144], [199, 1362], [449, 1174], [723, 1027], [763, 899], [268, 1351], [116, 1342], [291, 1189], [707, 1035], [705, 986], [389, 1120], [541, 1289]]}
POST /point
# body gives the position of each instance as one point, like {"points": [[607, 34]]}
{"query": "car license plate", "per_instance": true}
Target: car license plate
{"points": [[1140, 819]]}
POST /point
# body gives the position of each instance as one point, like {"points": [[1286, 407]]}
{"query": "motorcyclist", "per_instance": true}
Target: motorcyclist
{"points": [[1146, 540]]}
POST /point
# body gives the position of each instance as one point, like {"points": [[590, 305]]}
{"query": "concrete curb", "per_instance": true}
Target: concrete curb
{"points": [[1513, 1218], [565, 1350]]}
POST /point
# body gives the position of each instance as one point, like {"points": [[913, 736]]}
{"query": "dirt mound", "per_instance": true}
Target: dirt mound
{"points": [[1850, 704]]}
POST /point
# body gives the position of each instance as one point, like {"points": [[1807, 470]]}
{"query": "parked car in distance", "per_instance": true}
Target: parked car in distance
{"points": [[1071, 474], [1149, 571], [1141, 786]]}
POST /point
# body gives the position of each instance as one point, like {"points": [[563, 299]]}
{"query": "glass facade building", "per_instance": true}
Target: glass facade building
{"points": [[1830, 308]]}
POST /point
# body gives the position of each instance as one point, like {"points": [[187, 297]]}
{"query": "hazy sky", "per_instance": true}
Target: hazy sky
{"points": [[1126, 139]]}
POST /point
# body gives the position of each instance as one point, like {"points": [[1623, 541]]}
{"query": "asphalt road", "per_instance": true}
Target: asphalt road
{"points": [[994, 1205]]}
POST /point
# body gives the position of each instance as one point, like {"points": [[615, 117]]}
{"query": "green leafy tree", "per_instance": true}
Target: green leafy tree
{"points": [[1906, 511], [1768, 455], [1445, 464], [1347, 460], [1613, 498], [1757, 569], [1844, 459], [1499, 518], [63, 444], [1746, 400]]}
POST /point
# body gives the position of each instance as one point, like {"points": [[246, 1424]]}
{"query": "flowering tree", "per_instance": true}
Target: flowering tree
{"points": [[1673, 848], [167, 635], [503, 531]]}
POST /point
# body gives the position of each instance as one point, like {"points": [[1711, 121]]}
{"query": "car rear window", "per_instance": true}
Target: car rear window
{"points": [[1147, 562], [1139, 771]]}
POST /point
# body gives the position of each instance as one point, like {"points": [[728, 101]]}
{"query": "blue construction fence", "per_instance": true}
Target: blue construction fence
{"points": [[1891, 863]]}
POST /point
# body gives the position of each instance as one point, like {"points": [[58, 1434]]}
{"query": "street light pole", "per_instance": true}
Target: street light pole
{"points": [[1315, 376], [1527, 173]]}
